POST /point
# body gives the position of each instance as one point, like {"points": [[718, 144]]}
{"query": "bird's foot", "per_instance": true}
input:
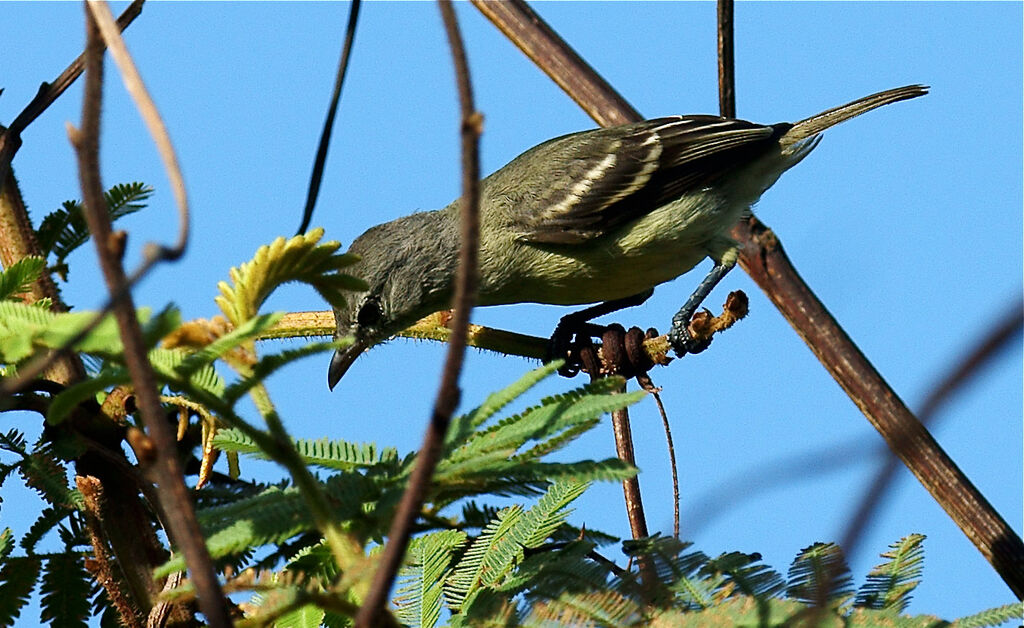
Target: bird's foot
{"points": [[569, 340], [693, 336]]}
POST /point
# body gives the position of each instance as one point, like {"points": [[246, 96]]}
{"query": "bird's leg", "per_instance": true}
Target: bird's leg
{"points": [[577, 325], [679, 335]]}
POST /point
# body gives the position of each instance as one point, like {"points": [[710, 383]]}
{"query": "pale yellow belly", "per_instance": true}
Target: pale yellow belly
{"points": [[656, 248]]}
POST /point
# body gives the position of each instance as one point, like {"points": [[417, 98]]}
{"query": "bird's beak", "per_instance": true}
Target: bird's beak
{"points": [[342, 360]]}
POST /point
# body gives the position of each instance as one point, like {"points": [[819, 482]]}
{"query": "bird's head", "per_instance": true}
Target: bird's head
{"points": [[407, 278]]}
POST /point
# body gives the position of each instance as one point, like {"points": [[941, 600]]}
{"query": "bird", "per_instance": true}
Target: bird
{"points": [[599, 216]]}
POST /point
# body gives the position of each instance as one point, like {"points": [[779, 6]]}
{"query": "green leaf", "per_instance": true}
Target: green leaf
{"points": [[739, 573], [549, 512], [491, 558], [819, 575], [306, 616], [18, 278], [606, 608], [65, 590], [300, 258], [46, 521], [462, 426], [332, 454], [181, 373], [272, 516], [6, 543], [491, 548], [315, 561], [555, 414], [18, 575], [419, 589], [25, 328], [65, 229], [992, 617], [46, 474], [890, 584]]}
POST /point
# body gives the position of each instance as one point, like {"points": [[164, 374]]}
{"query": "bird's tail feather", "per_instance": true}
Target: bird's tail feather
{"points": [[818, 123]]}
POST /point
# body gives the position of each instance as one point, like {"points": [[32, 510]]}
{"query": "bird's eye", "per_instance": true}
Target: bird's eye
{"points": [[369, 313]]}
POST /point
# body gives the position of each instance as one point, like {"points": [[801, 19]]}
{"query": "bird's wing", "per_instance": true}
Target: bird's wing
{"points": [[588, 183]]}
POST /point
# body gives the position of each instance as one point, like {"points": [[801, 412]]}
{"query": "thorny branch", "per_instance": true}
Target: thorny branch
{"points": [[465, 297]]}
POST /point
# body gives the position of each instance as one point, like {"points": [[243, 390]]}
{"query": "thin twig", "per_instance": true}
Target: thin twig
{"points": [[764, 261], [182, 524], [465, 297], [48, 93], [332, 110], [102, 568], [786, 470], [147, 109], [631, 486], [672, 461], [631, 491]]}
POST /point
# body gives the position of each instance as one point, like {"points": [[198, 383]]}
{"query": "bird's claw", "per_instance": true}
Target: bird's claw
{"points": [[683, 342], [565, 344]]}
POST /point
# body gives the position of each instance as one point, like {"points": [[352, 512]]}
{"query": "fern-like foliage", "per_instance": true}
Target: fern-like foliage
{"points": [[305, 616], [42, 471], [505, 458], [64, 230], [890, 584], [464, 425], [25, 329], [596, 608], [563, 571], [330, 454], [6, 543], [65, 590], [18, 576], [19, 276], [819, 576], [300, 258], [49, 519], [271, 517], [419, 591], [513, 557], [992, 617]]}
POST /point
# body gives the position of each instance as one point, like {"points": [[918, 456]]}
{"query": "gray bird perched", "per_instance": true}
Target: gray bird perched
{"points": [[599, 216]]}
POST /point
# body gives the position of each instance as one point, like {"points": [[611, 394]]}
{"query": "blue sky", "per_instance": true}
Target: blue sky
{"points": [[906, 222]]}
